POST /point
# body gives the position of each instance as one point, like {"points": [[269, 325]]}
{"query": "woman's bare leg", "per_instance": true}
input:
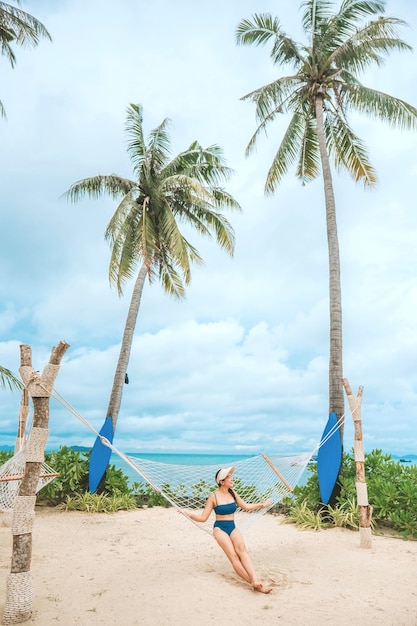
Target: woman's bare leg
{"points": [[234, 548], [224, 541], [241, 551]]}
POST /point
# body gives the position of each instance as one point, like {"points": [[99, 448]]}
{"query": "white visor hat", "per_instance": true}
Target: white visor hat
{"points": [[221, 474]]}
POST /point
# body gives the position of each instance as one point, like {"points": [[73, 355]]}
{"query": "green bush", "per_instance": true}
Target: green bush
{"points": [[71, 486], [145, 495], [5, 455], [392, 493], [98, 503]]}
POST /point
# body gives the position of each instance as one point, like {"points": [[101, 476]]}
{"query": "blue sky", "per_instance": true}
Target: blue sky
{"points": [[241, 366]]}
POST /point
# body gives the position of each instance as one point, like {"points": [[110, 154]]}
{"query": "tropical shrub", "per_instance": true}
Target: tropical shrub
{"points": [[98, 502], [145, 495], [72, 482], [5, 455], [392, 493]]}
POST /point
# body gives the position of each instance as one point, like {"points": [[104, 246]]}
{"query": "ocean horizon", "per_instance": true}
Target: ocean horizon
{"points": [[219, 460]]}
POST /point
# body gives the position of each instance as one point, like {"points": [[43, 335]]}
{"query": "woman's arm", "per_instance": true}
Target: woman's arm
{"points": [[251, 507], [205, 513]]}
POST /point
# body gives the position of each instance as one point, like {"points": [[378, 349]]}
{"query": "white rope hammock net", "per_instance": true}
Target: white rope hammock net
{"points": [[187, 487], [11, 474], [256, 478]]}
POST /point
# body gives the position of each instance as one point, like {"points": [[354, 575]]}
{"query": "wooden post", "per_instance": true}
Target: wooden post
{"points": [[19, 592], [365, 510], [22, 420]]}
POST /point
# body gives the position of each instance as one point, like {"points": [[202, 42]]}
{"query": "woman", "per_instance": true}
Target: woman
{"points": [[224, 501]]}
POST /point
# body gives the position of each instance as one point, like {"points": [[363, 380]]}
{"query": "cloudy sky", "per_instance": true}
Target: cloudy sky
{"points": [[240, 366]]}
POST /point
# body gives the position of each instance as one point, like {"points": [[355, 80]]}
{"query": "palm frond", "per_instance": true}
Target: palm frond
{"points": [[350, 20], [5, 48], [94, 187], [159, 146], [273, 100], [171, 280], [380, 105], [275, 96], [20, 27], [136, 143], [133, 238], [309, 156], [315, 12], [9, 380], [205, 165], [287, 152], [368, 45], [351, 11], [260, 30], [348, 151]]}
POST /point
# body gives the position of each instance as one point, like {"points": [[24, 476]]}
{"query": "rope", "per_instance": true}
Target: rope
{"points": [[11, 474]]}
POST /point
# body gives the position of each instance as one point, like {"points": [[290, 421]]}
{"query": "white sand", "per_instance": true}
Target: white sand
{"points": [[154, 567]]}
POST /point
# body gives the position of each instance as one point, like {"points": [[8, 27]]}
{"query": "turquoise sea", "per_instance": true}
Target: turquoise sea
{"points": [[220, 460]]}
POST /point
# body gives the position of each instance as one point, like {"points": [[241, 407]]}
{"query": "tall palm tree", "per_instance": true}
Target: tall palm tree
{"points": [[144, 230], [18, 28], [8, 379], [320, 91]]}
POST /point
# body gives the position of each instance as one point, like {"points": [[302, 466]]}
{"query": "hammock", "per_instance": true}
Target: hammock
{"points": [[11, 474], [187, 487], [256, 479]]}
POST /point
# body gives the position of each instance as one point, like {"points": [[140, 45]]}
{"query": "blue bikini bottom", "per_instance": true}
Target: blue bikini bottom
{"points": [[227, 526]]}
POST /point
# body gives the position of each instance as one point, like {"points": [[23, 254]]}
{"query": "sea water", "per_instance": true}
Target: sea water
{"points": [[219, 460]]}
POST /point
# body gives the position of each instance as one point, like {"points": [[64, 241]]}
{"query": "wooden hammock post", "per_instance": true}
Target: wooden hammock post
{"points": [[365, 510], [19, 592], [280, 476]]}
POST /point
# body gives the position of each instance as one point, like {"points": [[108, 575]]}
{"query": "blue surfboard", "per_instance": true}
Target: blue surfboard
{"points": [[100, 456], [329, 459]]}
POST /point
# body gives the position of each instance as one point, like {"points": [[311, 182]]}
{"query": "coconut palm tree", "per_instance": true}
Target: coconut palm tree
{"points": [[144, 230], [9, 380], [320, 90], [18, 28]]}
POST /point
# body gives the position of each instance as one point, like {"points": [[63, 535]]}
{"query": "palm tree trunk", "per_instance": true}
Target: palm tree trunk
{"points": [[336, 399], [125, 348]]}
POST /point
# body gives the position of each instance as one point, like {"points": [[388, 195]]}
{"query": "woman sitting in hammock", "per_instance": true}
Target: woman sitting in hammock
{"points": [[225, 532]]}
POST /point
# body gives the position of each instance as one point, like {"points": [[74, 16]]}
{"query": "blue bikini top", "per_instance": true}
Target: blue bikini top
{"points": [[225, 509]]}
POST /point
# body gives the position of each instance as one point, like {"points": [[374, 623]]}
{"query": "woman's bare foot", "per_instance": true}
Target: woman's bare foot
{"points": [[259, 586]]}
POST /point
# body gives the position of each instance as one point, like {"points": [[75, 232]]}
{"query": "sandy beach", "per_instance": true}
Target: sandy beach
{"points": [[154, 567]]}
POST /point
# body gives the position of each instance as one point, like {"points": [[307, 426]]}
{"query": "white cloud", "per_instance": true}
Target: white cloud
{"points": [[241, 364]]}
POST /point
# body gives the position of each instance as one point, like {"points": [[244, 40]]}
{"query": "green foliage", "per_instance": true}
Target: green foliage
{"points": [[145, 495], [98, 503], [72, 467], [5, 455], [71, 486], [8, 380], [305, 517], [392, 493]]}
